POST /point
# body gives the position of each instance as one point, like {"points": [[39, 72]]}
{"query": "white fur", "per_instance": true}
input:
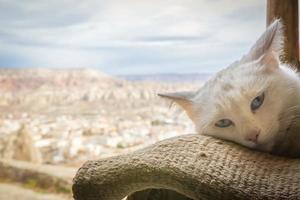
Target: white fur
{"points": [[229, 93]]}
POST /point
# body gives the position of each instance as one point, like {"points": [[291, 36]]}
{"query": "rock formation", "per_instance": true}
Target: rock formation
{"points": [[20, 146]]}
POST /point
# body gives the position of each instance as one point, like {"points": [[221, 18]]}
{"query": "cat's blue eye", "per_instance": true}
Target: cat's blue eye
{"points": [[223, 123], [257, 102]]}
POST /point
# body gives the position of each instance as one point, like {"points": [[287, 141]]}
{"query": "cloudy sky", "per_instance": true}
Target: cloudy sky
{"points": [[128, 36]]}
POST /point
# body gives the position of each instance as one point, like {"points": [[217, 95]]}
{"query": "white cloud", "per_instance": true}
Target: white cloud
{"points": [[119, 35]]}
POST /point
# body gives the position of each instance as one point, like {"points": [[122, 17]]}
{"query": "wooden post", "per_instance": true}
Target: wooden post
{"points": [[287, 10]]}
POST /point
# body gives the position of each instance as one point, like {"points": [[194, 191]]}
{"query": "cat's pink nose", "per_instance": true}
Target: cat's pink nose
{"points": [[252, 136]]}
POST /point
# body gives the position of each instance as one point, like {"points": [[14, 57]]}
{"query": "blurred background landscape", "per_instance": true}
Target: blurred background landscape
{"points": [[64, 117], [79, 79], [79, 114]]}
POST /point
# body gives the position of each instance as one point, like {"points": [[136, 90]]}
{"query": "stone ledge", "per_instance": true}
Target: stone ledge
{"points": [[37, 176]]}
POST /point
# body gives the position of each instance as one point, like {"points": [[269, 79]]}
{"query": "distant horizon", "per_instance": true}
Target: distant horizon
{"points": [[97, 69]]}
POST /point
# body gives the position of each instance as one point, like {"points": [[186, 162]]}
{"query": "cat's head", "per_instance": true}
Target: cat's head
{"points": [[244, 102]]}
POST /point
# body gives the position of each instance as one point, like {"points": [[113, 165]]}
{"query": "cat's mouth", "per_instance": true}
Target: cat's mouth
{"points": [[268, 146], [285, 125]]}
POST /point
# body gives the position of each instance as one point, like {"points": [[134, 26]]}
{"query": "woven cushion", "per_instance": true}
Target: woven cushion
{"points": [[196, 166]]}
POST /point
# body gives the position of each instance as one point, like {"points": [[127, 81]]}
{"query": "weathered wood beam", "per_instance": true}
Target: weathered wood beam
{"points": [[287, 10]]}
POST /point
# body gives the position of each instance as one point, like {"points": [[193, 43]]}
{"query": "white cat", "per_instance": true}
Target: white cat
{"points": [[252, 102]]}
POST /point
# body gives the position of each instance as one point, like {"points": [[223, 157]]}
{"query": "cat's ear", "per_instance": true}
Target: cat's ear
{"points": [[183, 99], [270, 41], [269, 61]]}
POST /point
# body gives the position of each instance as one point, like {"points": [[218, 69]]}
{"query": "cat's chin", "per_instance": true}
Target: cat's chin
{"points": [[265, 147]]}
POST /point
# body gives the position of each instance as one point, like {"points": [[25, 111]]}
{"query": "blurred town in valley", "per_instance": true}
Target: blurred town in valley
{"points": [[60, 118]]}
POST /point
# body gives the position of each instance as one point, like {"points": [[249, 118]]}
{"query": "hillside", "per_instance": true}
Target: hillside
{"points": [[79, 114]]}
